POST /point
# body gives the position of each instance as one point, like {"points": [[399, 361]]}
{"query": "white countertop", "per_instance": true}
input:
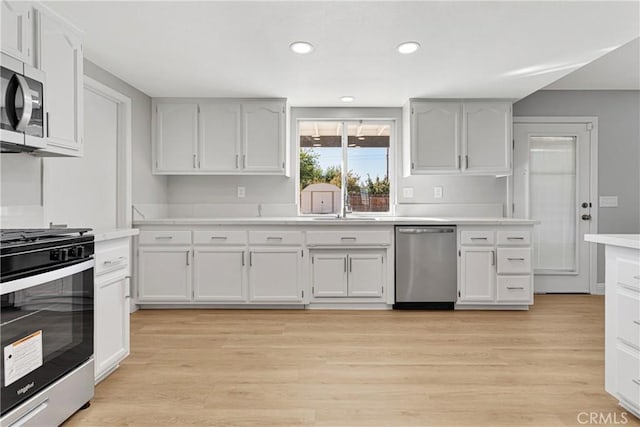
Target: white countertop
{"points": [[113, 233], [301, 220], [623, 240]]}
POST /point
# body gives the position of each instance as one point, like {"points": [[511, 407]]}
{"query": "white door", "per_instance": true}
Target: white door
{"points": [[218, 274], [329, 274], [486, 137], [366, 274], [551, 184], [165, 274], [219, 137], [322, 202], [478, 270], [61, 60], [263, 137], [176, 137], [274, 275], [435, 136], [111, 323], [17, 30]]}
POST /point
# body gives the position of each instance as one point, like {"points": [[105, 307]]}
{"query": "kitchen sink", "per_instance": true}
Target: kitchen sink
{"points": [[333, 218]]}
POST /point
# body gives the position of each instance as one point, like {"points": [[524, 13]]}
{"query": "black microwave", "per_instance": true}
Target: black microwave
{"points": [[22, 123]]}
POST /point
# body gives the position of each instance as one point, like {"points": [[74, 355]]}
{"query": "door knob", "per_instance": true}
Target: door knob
{"points": [[586, 217], [586, 205]]}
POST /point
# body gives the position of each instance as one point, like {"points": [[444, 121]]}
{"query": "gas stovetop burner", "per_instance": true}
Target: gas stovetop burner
{"points": [[33, 234]]}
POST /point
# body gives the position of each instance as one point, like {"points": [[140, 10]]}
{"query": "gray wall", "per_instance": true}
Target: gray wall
{"points": [[146, 188], [618, 115]]}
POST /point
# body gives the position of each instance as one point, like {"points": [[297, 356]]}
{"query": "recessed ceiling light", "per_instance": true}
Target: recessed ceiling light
{"points": [[408, 47], [301, 47], [347, 98]]}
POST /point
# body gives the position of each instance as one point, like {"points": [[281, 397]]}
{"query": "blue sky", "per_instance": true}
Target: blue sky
{"points": [[363, 160]]}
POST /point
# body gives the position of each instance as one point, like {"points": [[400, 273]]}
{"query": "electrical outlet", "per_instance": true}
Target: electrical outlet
{"points": [[241, 192], [407, 192], [437, 192], [608, 201]]}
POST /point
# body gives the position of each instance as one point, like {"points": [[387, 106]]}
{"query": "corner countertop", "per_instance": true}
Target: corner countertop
{"points": [[302, 220], [623, 240], [113, 233]]}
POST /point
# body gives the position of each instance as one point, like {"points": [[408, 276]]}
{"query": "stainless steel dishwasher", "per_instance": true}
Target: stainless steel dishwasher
{"points": [[426, 267]]}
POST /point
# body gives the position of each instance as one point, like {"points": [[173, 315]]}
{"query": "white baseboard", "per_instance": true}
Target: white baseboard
{"points": [[599, 289]]}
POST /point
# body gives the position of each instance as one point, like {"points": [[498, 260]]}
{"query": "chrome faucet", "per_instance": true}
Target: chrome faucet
{"points": [[345, 206]]}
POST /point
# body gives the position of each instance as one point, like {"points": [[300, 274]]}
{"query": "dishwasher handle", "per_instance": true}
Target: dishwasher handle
{"points": [[424, 230]]}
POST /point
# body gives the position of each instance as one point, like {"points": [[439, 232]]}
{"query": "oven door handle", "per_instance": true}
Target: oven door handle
{"points": [[40, 279]]}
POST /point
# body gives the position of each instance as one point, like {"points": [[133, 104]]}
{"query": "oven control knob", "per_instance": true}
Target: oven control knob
{"points": [[79, 251], [63, 254]]}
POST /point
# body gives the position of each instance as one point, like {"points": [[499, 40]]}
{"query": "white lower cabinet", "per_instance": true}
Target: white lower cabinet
{"points": [[219, 274], [275, 274], [164, 274], [112, 305], [477, 282], [347, 273]]}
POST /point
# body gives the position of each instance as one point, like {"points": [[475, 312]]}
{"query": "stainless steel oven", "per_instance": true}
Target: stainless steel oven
{"points": [[22, 115], [46, 326]]}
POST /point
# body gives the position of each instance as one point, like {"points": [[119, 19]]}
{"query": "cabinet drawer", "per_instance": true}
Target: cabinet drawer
{"points": [[275, 237], [348, 238], [628, 376], [514, 288], [112, 259], [220, 237], [514, 238], [628, 313], [477, 237], [628, 272], [514, 261], [165, 238]]}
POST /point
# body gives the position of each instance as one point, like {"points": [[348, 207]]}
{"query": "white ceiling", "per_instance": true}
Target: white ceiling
{"points": [[240, 49], [617, 70]]}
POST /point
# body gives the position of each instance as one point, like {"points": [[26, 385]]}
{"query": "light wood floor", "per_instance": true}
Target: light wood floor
{"points": [[360, 368]]}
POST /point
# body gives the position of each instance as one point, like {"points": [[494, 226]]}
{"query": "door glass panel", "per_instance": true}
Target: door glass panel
{"points": [[320, 166], [553, 202], [368, 166]]}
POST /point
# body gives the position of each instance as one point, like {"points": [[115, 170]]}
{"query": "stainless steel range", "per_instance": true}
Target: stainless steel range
{"points": [[46, 325]]}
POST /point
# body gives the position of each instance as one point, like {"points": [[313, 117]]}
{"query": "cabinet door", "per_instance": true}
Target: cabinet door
{"points": [[17, 30], [263, 138], [164, 274], [329, 274], [219, 137], [486, 137], [111, 324], [274, 275], [219, 274], [478, 275], [435, 136], [61, 60], [366, 274], [176, 137]]}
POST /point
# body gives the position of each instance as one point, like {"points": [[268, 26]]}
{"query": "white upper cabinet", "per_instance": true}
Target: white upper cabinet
{"points": [[450, 137], [18, 30], [61, 59], [176, 137], [263, 137], [219, 137], [435, 129], [486, 137]]}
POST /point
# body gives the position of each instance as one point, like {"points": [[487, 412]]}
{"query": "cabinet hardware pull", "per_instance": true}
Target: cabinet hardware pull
{"points": [[250, 259], [244, 161], [636, 277], [47, 124], [274, 238], [188, 257], [478, 238], [636, 381], [637, 322], [243, 258], [164, 237], [515, 259], [515, 287], [350, 265], [458, 162], [345, 264], [237, 161], [515, 238], [493, 258], [349, 238], [466, 162], [114, 261], [194, 161], [218, 237]]}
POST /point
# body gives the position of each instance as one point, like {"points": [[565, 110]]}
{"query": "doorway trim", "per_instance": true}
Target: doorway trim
{"points": [[123, 157], [592, 122]]}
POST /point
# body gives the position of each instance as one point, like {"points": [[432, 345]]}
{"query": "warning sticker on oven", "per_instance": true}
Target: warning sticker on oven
{"points": [[22, 356]]}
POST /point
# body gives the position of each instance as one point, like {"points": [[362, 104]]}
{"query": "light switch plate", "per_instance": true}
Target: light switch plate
{"points": [[437, 192], [407, 192], [241, 192], [608, 201]]}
